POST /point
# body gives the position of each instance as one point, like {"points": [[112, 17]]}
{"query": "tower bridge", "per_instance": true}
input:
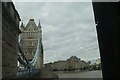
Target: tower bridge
{"points": [[22, 46], [28, 49], [31, 42]]}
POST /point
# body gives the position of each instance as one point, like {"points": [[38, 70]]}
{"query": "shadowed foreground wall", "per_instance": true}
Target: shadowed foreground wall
{"points": [[107, 18], [0, 39], [10, 32]]}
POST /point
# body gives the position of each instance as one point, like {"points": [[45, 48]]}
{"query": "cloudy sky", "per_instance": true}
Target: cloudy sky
{"points": [[68, 28]]}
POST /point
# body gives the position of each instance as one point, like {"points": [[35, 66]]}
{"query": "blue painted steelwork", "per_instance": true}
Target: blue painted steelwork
{"points": [[35, 59], [29, 69], [21, 57]]}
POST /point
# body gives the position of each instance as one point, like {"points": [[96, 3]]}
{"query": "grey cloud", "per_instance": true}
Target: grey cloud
{"points": [[68, 29]]}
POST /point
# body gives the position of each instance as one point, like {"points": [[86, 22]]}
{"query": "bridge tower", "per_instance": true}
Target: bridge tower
{"points": [[30, 35]]}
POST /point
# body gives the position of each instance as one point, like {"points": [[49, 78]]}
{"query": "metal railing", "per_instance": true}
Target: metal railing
{"points": [[25, 73], [28, 66]]}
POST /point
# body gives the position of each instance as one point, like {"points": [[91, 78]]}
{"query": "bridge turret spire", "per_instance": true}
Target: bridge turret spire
{"points": [[22, 26], [39, 26]]}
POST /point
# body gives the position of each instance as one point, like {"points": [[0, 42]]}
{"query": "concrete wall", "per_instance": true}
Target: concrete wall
{"points": [[10, 33]]}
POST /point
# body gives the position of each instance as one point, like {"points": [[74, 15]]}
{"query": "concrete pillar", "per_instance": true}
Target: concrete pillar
{"points": [[10, 33]]}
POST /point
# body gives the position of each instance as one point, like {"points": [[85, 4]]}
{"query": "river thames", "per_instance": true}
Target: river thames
{"points": [[83, 74]]}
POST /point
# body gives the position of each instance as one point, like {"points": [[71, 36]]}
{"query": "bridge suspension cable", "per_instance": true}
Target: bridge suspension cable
{"points": [[22, 58]]}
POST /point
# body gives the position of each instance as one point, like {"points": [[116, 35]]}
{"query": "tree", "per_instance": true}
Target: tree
{"points": [[89, 62]]}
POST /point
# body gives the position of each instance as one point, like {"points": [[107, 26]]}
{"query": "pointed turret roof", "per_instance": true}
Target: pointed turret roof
{"points": [[31, 24], [22, 26], [39, 25]]}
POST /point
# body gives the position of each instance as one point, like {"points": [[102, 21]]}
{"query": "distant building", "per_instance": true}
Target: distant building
{"points": [[30, 35], [60, 65], [76, 63], [98, 61], [70, 64], [96, 65]]}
